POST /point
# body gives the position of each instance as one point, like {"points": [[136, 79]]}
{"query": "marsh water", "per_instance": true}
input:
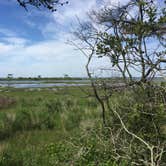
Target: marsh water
{"points": [[42, 83]]}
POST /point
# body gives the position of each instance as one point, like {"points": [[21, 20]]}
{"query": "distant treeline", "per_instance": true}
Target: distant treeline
{"points": [[44, 78], [70, 78]]}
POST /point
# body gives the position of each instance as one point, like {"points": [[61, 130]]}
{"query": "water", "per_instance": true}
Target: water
{"points": [[42, 83]]}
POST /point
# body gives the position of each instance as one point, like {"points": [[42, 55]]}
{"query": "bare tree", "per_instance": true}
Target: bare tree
{"points": [[88, 34]]}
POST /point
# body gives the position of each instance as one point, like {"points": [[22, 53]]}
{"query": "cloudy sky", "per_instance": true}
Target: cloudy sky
{"points": [[34, 43]]}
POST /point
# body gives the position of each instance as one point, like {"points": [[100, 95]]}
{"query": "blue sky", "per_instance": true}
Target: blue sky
{"points": [[34, 43]]}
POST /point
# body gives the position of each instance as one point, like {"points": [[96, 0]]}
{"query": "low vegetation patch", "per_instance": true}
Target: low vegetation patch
{"points": [[48, 129], [6, 102]]}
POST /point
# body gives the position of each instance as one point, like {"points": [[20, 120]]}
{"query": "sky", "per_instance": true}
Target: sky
{"points": [[34, 43]]}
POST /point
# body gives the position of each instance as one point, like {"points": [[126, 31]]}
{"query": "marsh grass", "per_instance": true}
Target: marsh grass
{"points": [[39, 121], [64, 128]]}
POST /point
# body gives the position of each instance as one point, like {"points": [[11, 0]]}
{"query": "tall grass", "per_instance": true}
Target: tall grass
{"points": [[57, 129]]}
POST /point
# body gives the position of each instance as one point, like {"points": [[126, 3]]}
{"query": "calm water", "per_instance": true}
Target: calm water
{"points": [[42, 83]]}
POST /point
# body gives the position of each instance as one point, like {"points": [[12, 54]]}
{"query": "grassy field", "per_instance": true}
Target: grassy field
{"points": [[38, 127], [63, 126]]}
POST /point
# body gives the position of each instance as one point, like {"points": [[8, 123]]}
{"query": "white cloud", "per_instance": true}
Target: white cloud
{"points": [[7, 32], [114, 3], [64, 18], [4, 48], [48, 58], [10, 41], [75, 8], [15, 40], [51, 57]]}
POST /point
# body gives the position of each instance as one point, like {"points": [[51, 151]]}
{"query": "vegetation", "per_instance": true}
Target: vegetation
{"points": [[64, 127], [124, 39], [43, 78], [101, 125], [48, 4], [121, 34]]}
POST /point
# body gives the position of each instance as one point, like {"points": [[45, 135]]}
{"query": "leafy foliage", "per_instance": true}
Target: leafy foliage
{"points": [[49, 4], [125, 35]]}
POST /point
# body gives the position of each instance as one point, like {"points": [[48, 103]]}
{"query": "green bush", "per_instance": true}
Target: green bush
{"points": [[143, 112], [29, 120]]}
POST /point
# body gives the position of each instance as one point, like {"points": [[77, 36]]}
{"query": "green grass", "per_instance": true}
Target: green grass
{"points": [[40, 122], [63, 127]]}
